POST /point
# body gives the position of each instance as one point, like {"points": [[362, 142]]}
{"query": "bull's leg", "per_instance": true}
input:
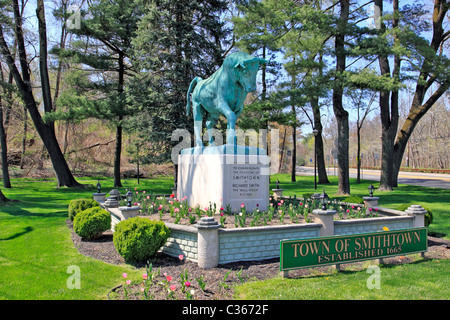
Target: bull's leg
{"points": [[210, 123], [198, 118], [231, 125]]}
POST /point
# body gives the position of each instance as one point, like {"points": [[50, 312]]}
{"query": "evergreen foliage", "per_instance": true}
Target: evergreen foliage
{"points": [[175, 41]]}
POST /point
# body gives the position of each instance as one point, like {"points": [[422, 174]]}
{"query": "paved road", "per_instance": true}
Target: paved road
{"points": [[431, 180]]}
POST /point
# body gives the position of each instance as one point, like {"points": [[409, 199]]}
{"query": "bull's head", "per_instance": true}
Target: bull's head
{"points": [[246, 73]]}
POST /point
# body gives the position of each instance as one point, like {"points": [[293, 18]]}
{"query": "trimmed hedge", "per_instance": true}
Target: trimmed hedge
{"points": [[138, 239], [78, 205], [92, 222]]}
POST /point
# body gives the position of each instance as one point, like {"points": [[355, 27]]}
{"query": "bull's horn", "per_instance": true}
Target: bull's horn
{"points": [[240, 64]]}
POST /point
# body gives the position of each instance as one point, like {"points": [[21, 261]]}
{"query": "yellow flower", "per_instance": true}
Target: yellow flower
{"points": [[385, 229]]}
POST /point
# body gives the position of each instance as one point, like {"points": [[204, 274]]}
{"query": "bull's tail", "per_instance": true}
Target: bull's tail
{"points": [[188, 96]]}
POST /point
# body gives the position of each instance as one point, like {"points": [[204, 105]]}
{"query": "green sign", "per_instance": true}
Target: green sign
{"points": [[315, 252]]}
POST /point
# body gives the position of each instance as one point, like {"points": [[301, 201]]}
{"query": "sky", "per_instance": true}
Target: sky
{"points": [[53, 33]]}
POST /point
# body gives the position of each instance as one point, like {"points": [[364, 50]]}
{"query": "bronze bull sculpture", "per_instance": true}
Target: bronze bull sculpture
{"points": [[223, 93]]}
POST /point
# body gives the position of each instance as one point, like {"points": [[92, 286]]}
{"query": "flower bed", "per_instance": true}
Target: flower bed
{"points": [[287, 210]]}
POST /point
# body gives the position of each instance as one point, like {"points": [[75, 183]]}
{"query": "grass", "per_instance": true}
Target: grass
{"points": [[434, 198], [422, 279], [36, 247]]}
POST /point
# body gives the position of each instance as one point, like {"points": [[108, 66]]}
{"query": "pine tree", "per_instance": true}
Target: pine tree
{"points": [[103, 49], [176, 41]]}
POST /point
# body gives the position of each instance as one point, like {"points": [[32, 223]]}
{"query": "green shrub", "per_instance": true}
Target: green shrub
{"points": [[428, 215], [78, 205], [138, 239], [91, 222]]}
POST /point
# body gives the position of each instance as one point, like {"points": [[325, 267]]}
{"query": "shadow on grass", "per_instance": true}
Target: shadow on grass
{"points": [[18, 234]]}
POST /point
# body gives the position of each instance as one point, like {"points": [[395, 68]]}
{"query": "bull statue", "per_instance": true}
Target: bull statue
{"points": [[223, 93]]}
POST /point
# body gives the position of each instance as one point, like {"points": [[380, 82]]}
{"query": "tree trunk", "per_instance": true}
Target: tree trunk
{"points": [[2, 197], [117, 156], [424, 82], [294, 152], [23, 82], [339, 112], [4, 146], [358, 153], [320, 154], [388, 110], [118, 153], [24, 138]]}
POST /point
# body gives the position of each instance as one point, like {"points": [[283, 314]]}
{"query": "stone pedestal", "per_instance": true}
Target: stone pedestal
{"points": [[277, 193], [224, 179], [419, 215], [326, 218], [129, 212], [111, 202], [99, 197], [208, 242], [371, 201]]}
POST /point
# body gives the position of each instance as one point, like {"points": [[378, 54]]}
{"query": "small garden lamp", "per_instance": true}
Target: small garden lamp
{"points": [[323, 200], [371, 189], [99, 186], [129, 198], [278, 184]]}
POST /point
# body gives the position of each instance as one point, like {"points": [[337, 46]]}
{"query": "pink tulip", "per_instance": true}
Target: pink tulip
{"points": [[169, 278], [221, 209], [181, 257], [173, 287], [176, 210], [221, 214], [128, 282], [348, 210], [124, 275], [187, 284], [242, 205], [144, 276]]}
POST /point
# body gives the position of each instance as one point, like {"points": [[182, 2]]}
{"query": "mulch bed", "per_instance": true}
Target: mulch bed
{"points": [[220, 280]]}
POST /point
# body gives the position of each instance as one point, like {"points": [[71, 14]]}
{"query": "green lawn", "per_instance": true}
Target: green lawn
{"points": [[36, 247], [435, 199], [422, 279]]}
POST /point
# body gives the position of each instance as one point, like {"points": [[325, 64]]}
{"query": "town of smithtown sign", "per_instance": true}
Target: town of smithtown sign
{"points": [[314, 252]]}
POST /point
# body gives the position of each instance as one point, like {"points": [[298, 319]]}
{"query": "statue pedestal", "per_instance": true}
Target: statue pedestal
{"points": [[224, 179]]}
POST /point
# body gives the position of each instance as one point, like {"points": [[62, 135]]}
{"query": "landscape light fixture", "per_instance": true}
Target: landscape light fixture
{"points": [[99, 186], [323, 200], [129, 198], [371, 189], [278, 184]]}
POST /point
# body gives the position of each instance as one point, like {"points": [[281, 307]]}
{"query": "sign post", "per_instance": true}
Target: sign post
{"points": [[316, 252]]}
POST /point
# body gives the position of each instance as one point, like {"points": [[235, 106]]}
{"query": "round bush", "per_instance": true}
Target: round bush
{"points": [[138, 239], [78, 205], [91, 222]]}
